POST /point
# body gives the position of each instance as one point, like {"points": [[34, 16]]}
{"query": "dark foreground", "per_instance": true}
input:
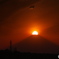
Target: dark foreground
{"points": [[18, 55]]}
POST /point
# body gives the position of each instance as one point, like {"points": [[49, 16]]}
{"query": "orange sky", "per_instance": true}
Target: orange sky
{"points": [[17, 20]]}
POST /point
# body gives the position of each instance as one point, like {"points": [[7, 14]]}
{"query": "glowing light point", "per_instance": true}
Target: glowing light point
{"points": [[35, 33]]}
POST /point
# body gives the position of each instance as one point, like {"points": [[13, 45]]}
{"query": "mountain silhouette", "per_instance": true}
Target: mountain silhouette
{"points": [[37, 44]]}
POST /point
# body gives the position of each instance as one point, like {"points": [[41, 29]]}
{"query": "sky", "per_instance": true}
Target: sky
{"points": [[18, 20]]}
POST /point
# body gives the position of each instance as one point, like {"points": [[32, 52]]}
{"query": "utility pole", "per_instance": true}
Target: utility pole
{"points": [[10, 45]]}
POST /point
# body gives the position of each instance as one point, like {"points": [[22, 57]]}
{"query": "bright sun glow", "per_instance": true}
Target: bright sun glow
{"points": [[34, 33]]}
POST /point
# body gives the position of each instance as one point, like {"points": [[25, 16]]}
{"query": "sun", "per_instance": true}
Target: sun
{"points": [[34, 33]]}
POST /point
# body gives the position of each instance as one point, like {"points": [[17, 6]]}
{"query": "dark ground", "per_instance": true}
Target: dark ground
{"points": [[18, 55]]}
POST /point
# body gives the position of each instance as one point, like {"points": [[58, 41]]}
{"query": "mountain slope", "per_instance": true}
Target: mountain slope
{"points": [[37, 44]]}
